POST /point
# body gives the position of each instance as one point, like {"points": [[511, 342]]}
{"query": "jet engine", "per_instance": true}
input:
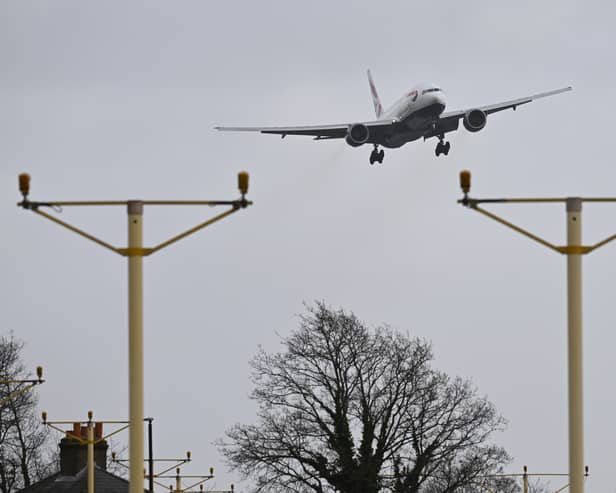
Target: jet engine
{"points": [[357, 134], [474, 120]]}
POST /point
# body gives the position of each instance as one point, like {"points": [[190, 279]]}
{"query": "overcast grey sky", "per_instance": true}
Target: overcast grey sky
{"points": [[117, 100]]}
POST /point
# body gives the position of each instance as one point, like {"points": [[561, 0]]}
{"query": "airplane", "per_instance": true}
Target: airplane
{"points": [[418, 113]]}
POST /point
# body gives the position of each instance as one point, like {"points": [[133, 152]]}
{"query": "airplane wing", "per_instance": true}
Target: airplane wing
{"points": [[336, 131], [447, 117]]}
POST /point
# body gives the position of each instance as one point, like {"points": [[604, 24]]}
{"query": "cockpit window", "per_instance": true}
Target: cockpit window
{"points": [[432, 89]]}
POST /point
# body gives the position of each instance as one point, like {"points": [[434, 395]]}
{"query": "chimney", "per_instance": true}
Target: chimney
{"points": [[74, 449]]}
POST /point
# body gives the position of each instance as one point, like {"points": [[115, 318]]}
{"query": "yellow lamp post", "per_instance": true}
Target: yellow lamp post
{"points": [[90, 439], [525, 476], [31, 383], [151, 475], [574, 251], [199, 480], [135, 253]]}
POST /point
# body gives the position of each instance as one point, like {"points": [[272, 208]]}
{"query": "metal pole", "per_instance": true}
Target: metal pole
{"points": [[574, 296], [525, 480], [135, 345], [150, 456], [90, 456], [178, 481]]}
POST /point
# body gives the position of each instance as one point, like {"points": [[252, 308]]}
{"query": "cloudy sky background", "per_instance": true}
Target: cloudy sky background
{"points": [[117, 100]]}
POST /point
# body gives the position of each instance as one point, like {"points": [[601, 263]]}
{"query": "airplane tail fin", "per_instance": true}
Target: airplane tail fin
{"points": [[378, 108]]}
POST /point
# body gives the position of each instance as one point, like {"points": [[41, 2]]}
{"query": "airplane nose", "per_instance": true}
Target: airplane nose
{"points": [[439, 100]]}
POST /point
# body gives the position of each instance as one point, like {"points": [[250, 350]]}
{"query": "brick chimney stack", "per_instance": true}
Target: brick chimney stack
{"points": [[74, 454]]}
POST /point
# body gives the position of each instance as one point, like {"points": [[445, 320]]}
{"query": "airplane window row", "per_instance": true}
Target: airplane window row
{"points": [[433, 89]]}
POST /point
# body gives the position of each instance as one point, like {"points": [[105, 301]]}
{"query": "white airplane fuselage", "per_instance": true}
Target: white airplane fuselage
{"points": [[416, 110]]}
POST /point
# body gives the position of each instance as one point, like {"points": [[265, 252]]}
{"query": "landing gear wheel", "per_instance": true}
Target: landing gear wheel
{"points": [[442, 148], [377, 156]]}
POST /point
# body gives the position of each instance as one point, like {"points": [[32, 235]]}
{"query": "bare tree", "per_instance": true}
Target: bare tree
{"points": [[118, 466], [539, 486], [23, 453], [347, 409]]}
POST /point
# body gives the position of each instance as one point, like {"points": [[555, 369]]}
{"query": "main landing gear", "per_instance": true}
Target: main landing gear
{"points": [[376, 155], [442, 147]]}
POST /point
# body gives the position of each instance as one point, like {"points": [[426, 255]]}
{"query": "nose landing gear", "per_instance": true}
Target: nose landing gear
{"points": [[376, 155], [442, 147]]}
